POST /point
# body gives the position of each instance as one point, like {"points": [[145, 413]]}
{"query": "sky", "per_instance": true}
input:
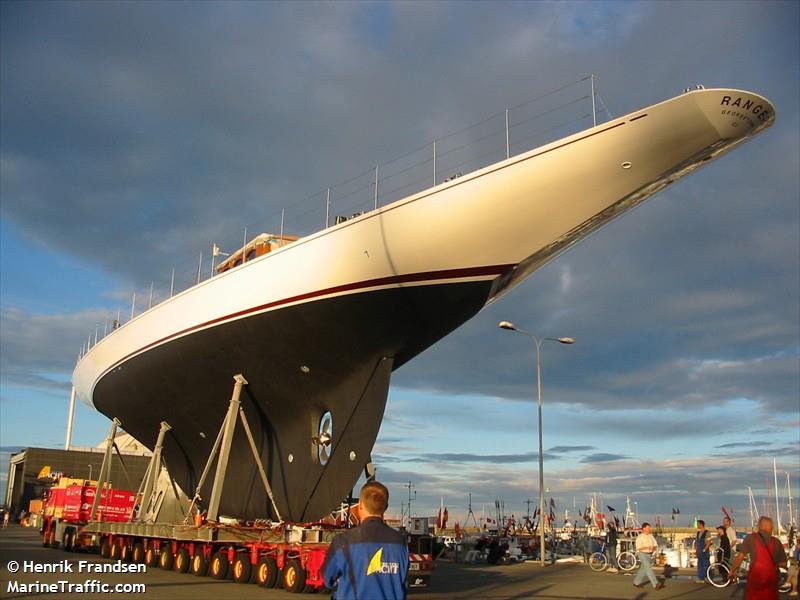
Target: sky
{"points": [[135, 135]]}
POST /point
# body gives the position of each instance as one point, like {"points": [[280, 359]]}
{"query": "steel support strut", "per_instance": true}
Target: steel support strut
{"points": [[152, 473], [223, 444], [105, 468]]}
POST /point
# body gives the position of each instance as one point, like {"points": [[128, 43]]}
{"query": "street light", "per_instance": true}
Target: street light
{"points": [[538, 343]]}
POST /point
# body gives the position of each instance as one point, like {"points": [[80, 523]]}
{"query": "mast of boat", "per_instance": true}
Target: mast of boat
{"points": [[789, 494], [753, 507], [777, 498]]}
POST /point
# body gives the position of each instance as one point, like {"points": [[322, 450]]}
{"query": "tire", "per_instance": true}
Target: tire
{"points": [[105, 548], [627, 561], [293, 576], [242, 569], [219, 566], [166, 559], [151, 557], [199, 565], [54, 542], [598, 561], [137, 553], [125, 552], [717, 575], [266, 574], [116, 551], [182, 561], [69, 540]]}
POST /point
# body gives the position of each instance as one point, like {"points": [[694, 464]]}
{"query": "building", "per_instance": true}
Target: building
{"points": [[31, 471]]}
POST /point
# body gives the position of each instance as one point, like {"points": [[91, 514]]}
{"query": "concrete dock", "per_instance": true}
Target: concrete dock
{"points": [[566, 581]]}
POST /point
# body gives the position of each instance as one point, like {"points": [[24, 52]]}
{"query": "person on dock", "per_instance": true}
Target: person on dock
{"points": [[646, 545], [702, 542], [794, 568], [724, 548], [730, 532], [371, 560], [611, 547], [766, 555]]}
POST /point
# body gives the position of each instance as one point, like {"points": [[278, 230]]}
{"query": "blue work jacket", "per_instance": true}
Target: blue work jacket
{"points": [[369, 562]]}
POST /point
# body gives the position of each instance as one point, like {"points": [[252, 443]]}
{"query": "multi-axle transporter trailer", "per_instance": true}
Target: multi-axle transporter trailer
{"points": [[269, 554]]}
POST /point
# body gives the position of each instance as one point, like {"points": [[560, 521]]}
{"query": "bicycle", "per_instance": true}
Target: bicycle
{"points": [[718, 575], [627, 561], [598, 561]]}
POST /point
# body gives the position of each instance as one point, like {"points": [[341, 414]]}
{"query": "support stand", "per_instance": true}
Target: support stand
{"points": [[105, 468], [223, 444], [152, 473]]}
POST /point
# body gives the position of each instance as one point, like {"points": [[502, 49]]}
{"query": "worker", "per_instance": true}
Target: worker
{"points": [[371, 560], [766, 555]]}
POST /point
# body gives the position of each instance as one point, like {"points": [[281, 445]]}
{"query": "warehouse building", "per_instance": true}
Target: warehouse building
{"points": [[32, 470]]}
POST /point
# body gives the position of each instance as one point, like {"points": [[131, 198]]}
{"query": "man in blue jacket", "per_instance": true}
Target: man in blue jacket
{"points": [[369, 562]]}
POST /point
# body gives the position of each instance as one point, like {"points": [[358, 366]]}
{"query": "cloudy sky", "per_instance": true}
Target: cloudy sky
{"points": [[136, 134]]}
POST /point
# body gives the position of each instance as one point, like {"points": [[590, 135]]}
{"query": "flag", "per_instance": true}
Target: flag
{"points": [[610, 508]]}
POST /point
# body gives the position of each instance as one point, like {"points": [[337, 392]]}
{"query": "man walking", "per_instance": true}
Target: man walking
{"points": [[369, 562], [766, 555], [702, 542], [646, 545]]}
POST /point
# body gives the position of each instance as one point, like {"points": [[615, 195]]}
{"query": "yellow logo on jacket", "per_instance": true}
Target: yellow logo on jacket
{"points": [[376, 564]]}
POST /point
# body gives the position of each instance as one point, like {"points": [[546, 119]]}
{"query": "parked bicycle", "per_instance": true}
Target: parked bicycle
{"points": [[627, 561]]}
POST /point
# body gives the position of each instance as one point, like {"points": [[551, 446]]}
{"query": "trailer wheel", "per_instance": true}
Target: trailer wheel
{"points": [[105, 548], [182, 560], [266, 572], [54, 541], [294, 576], [116, 550], [151, 557], [199, 565], [219, 565], [242, 569], [125, 552], [69, 540], [165, 558], [137, 554]]}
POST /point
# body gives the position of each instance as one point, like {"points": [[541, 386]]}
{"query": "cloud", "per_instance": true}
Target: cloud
{"points": [[39, 350], [602, 457], [563, 449], [744, 444]]}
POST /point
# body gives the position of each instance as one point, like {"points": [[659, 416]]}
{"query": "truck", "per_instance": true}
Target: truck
{"points": [[159, 526], [67, 504]]}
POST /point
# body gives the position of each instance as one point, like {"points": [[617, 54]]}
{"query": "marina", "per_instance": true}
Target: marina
{"points": [[382, 300]]}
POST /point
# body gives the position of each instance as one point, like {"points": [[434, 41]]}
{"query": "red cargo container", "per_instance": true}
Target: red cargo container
{"points": [[115, 505]]}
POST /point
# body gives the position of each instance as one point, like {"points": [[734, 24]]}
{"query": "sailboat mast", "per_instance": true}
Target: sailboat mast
{"points": [[789, 494], [777, 499]]}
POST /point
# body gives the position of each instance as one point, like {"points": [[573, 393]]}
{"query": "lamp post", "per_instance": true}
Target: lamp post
{"points": [[538, 344]]}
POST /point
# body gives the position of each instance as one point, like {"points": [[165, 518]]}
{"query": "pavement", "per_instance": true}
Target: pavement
{"points": [[450, 581]]}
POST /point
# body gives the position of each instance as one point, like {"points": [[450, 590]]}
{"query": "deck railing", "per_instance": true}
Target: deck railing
{"points": [[557, 113]]}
